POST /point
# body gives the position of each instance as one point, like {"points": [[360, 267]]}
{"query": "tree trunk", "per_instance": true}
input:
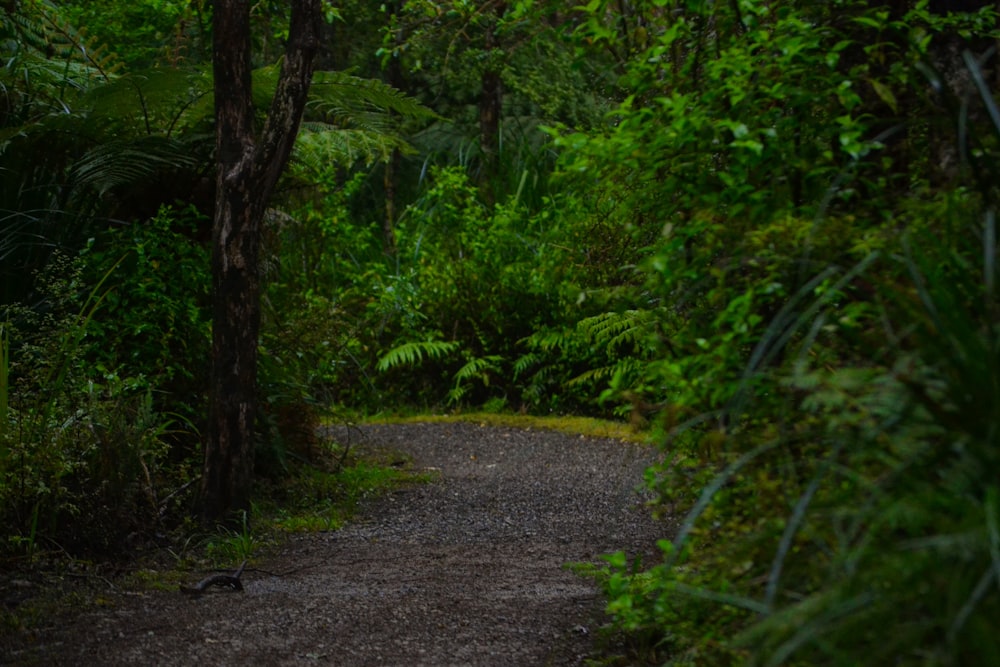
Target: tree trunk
{"points": [[248, 168], [394, 77], [389, 219], [490, 109]]}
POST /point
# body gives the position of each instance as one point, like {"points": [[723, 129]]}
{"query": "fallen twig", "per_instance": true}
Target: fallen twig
{"points": [[230, 580]]}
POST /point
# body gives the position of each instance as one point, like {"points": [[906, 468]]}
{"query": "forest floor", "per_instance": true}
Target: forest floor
{"points": [[466, 570]]}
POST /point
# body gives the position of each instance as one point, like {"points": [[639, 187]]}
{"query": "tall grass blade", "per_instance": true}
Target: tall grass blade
{"points": [[984, 90], [990, 255], [983, 585], [812, 630], [724, 598], [709, 492], [792, 527], [4, 388], [786, 323]]}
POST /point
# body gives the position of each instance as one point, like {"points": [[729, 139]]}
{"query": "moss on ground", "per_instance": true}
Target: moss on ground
{"points": [[573, 425]]}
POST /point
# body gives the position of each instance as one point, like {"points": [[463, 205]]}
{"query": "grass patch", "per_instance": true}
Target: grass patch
{"points": [[314, 500]]}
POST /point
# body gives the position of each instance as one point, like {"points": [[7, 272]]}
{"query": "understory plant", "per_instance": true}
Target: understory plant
{"points": [[82, 447], [829, 388]]}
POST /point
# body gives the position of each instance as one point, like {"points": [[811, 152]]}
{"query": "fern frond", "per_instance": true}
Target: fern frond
{"points": [[550, 339], [477, 368], [615, 330], [623, 368], [319, 145], [156, 101], [456, 393], [38, 28], [122, 162], [526, 361], [351, 100], [345, 100], [410, 354], [68, 43]]}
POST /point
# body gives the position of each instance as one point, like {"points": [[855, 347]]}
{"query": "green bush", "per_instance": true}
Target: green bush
{"points": [[155, 318], [82, 447], [824, 338]]}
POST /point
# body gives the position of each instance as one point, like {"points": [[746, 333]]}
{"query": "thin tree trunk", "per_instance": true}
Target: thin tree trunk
{"points": [[248, 169], [389, 221], [394, 77], [490, 109]]}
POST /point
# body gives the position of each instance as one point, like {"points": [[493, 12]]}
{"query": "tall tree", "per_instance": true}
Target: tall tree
{"points": [[249, 165]]}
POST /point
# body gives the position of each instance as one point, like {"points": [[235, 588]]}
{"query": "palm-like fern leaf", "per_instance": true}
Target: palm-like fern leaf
{"points": [[549, 340], [348, 118], [410, 354], [477, 367], [37, 28], [164, 101], [349, 100], [118, 163], [318, 146], [617, 330], [626, 368], [525, 362]]}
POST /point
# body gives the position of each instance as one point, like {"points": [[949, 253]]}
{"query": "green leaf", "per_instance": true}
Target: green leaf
{"points": [[411, 354]]}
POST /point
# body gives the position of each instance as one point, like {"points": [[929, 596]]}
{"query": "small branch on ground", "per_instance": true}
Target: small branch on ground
{"points": [[230, 580]]}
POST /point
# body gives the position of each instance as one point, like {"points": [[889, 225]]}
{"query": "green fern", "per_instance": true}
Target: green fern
{"points": [[164, 101], [619, 330], [47, 64], [549, 340], [411, 354], [348, 119], [478, 367], [319, 146], [119, 163], [626, 368], [347, 100], [525, 362], [475, 368], [38, 29]]}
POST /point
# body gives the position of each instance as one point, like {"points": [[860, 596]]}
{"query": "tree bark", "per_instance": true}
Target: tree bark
{"points": [[248, 168], [490, 109], [394, 77]]}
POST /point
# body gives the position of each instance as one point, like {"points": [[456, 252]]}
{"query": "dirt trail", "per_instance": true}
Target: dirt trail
{"points": [[465, 571]]}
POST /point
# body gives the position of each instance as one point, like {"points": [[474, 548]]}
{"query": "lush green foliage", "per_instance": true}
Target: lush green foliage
{"points": [[766, 231], [821, 290]]}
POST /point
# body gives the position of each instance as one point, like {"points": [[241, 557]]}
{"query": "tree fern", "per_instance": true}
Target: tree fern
{"points": [[161, 101], [38, 29], [117, 163], [348, 100], [411, 354], [46, 63], [319, 146]]}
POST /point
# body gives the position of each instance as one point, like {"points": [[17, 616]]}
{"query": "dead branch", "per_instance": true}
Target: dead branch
{"points": [[230, 580]]}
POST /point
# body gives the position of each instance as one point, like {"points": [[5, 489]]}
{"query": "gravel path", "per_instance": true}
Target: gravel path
{"points": [[464, 571]]}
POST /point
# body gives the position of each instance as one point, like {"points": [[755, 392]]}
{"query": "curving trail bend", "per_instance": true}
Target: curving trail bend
{"points": [[468, 570]]}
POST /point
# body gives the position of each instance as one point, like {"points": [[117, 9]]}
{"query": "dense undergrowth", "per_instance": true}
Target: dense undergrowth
{"points": [[764, 233]]}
